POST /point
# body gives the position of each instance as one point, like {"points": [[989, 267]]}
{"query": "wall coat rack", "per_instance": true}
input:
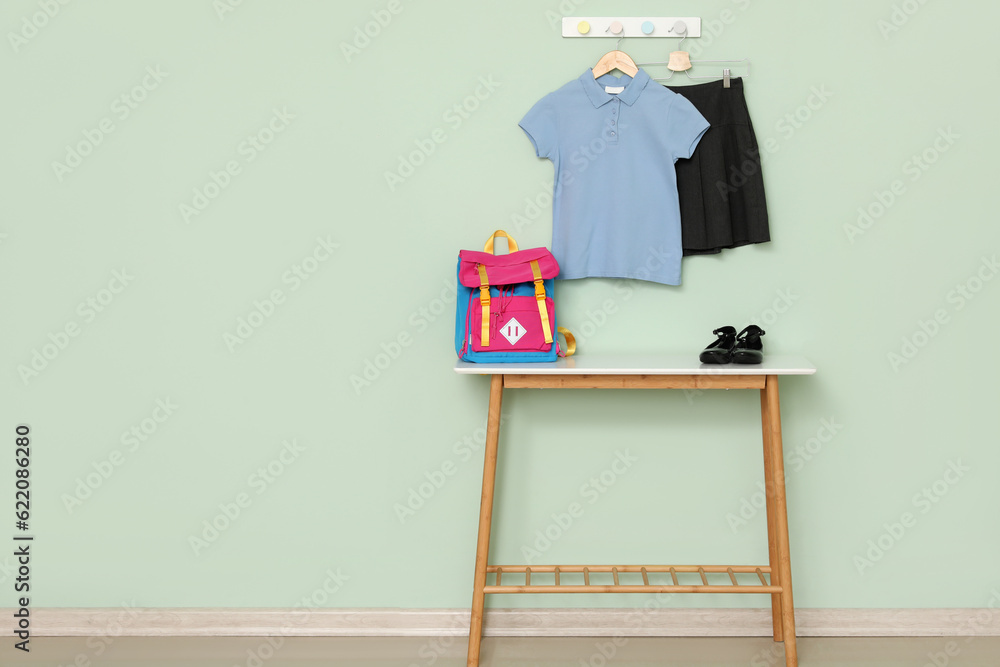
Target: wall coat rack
{"points": [[663, 26], [610, 26]]}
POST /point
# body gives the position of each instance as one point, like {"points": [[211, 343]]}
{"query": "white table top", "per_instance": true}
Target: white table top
{"points": [[645, 364]]}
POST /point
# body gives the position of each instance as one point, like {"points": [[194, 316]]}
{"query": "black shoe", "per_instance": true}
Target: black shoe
{"points": [[721, 350], [749, 349]]}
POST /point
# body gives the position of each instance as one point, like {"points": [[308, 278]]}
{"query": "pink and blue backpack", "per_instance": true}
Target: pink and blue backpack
{"points": [[506, 311]]}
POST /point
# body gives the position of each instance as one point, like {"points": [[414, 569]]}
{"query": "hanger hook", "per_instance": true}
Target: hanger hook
{"points": [[620, 37], [675, 28]]}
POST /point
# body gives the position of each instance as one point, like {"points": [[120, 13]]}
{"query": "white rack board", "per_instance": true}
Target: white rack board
{"points": [[632, 26]]}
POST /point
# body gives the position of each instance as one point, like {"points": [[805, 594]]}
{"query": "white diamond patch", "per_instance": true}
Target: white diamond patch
{"points": [[512, 331]]}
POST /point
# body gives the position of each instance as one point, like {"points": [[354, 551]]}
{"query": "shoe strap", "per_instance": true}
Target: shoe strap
{"points": [[722, 332], [751, 331]]}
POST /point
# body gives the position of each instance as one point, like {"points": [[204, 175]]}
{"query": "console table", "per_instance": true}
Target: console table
{"points": [[644, 372]]}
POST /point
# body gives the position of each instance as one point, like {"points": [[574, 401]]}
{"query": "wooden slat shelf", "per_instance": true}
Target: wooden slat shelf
{"points": [[522, 573]]}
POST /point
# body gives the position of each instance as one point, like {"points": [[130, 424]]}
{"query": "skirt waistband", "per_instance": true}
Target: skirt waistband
{"points": [[719, 105]]}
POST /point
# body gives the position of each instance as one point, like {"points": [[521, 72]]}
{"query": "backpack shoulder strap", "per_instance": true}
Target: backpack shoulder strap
{"points": [[540, 299], [484, 300]]}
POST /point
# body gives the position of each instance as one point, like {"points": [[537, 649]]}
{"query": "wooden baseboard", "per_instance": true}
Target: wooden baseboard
{"points": [[208, 622]]}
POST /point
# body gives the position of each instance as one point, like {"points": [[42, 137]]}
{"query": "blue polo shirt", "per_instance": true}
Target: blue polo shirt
{"points": [[613, 143]]}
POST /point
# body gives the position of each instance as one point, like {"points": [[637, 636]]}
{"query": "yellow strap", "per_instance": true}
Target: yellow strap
{"points": [[540, 299], [570, 341], [511, 243], [484, 299]]}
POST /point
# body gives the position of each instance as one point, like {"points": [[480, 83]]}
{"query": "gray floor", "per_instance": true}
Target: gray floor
{"points": [[533, 652]]}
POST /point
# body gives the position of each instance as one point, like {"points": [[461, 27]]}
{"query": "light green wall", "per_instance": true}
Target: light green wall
{"points": [[852, 301]]}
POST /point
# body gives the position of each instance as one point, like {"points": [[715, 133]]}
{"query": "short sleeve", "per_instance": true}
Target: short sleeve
{"points": [[540, 126], [686, 126]]}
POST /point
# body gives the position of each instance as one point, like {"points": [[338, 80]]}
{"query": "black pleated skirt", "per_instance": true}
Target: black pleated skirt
{"points": [[721, 187]]}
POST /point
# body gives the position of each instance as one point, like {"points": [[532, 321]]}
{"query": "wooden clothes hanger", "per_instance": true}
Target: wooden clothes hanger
{"points": [[616, 60]]}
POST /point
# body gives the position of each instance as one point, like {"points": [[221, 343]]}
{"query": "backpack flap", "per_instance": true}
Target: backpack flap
{"points": [[505, 269]]}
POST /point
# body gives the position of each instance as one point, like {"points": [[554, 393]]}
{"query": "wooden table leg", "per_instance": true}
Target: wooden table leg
{"points": [[772, 542], [485, 519], [777, 490]]}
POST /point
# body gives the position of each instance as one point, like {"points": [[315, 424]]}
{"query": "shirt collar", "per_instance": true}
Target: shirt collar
{"points": [[598, 96]]}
